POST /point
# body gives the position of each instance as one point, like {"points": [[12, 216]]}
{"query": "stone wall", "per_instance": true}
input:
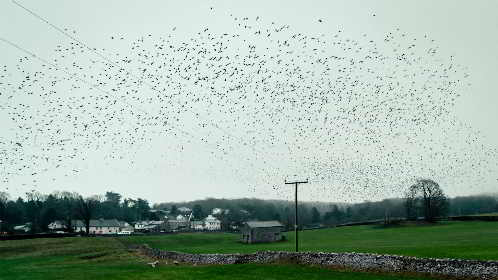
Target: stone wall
{"points": [[464, 269]]}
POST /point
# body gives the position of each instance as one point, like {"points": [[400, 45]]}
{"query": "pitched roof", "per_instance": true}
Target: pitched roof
{"points": [[211, 218], [264, 224], [98, 223]]}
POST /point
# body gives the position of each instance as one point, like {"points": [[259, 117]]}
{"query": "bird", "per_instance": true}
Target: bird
{"points": [[355, 113]]}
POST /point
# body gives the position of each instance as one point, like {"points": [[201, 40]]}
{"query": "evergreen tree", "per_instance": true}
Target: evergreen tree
{"points": [[174, 210], [315, 215], [197, 212]]}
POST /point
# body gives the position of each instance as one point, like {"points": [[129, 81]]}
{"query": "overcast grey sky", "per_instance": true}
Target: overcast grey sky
{"points": [[466, 30]]}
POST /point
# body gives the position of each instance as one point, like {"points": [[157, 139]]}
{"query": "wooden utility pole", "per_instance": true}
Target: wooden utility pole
{"points": [[296, 223]]}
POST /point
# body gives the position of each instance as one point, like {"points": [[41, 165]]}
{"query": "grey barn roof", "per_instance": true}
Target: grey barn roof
{"points": [[265, 224], [98, 223]]}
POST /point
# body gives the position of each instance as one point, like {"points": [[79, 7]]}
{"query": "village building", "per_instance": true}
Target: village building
{"points": [[57, 225], [140, 226], [126, 227], [155, 225], [177, 223], [23, 228], [197, 225], [259, 232], [100, 226], [148, 226], [209, 223], [212, 223]]}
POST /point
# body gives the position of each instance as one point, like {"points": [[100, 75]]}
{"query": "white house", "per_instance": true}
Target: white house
{"points": [[56, 225], [219, 211], [179, 222], [100, 226], [140, 225], [211, 223], [26, 227], [126, 227], [197, 225], [148, 226]]}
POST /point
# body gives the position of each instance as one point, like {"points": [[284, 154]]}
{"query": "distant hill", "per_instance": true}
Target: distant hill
{"points": [[224, 203]]}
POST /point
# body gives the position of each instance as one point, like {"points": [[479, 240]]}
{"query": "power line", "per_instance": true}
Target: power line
{"points": [[296, 221], [64, 32]]}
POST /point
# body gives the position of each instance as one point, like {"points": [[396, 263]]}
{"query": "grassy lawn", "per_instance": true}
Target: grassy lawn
{"points": [[466, 240], [106, 258]]}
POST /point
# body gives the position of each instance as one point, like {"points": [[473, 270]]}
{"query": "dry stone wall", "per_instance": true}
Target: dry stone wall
{"points": [[357, 261]]}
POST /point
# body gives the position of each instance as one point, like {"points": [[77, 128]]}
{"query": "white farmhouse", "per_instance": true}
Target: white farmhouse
{"points": [[148, 226], [140, 225], [178, 223], [56, 225], [197, 225], [26, 227], [211, 223], [100, 226], [126, 227]]}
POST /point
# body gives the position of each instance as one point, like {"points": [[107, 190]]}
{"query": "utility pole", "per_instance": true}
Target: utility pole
{"points": [[296, 223]]}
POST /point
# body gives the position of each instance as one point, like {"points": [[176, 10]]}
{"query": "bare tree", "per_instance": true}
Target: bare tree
{"points": [[4, 198], [34, 208], [411, 204], [68, 202], [427, 197], [86, 208]]}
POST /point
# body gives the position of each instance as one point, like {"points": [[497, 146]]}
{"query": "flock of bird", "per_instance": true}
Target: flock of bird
{"points": [[358, 116]]}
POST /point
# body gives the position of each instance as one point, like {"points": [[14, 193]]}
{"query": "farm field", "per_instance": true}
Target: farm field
{"points": [[107, 258], [465, 240]]}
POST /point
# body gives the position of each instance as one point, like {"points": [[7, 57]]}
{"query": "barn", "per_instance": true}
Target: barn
{"points": [[261, 231]]}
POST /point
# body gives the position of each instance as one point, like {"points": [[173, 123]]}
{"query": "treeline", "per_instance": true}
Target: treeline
{"points": [[314, 214], [236, 211], [39, 210]]}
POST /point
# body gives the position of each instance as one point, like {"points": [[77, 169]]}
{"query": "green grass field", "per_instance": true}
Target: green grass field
{"points": [[107, 257], [466, 240]]}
